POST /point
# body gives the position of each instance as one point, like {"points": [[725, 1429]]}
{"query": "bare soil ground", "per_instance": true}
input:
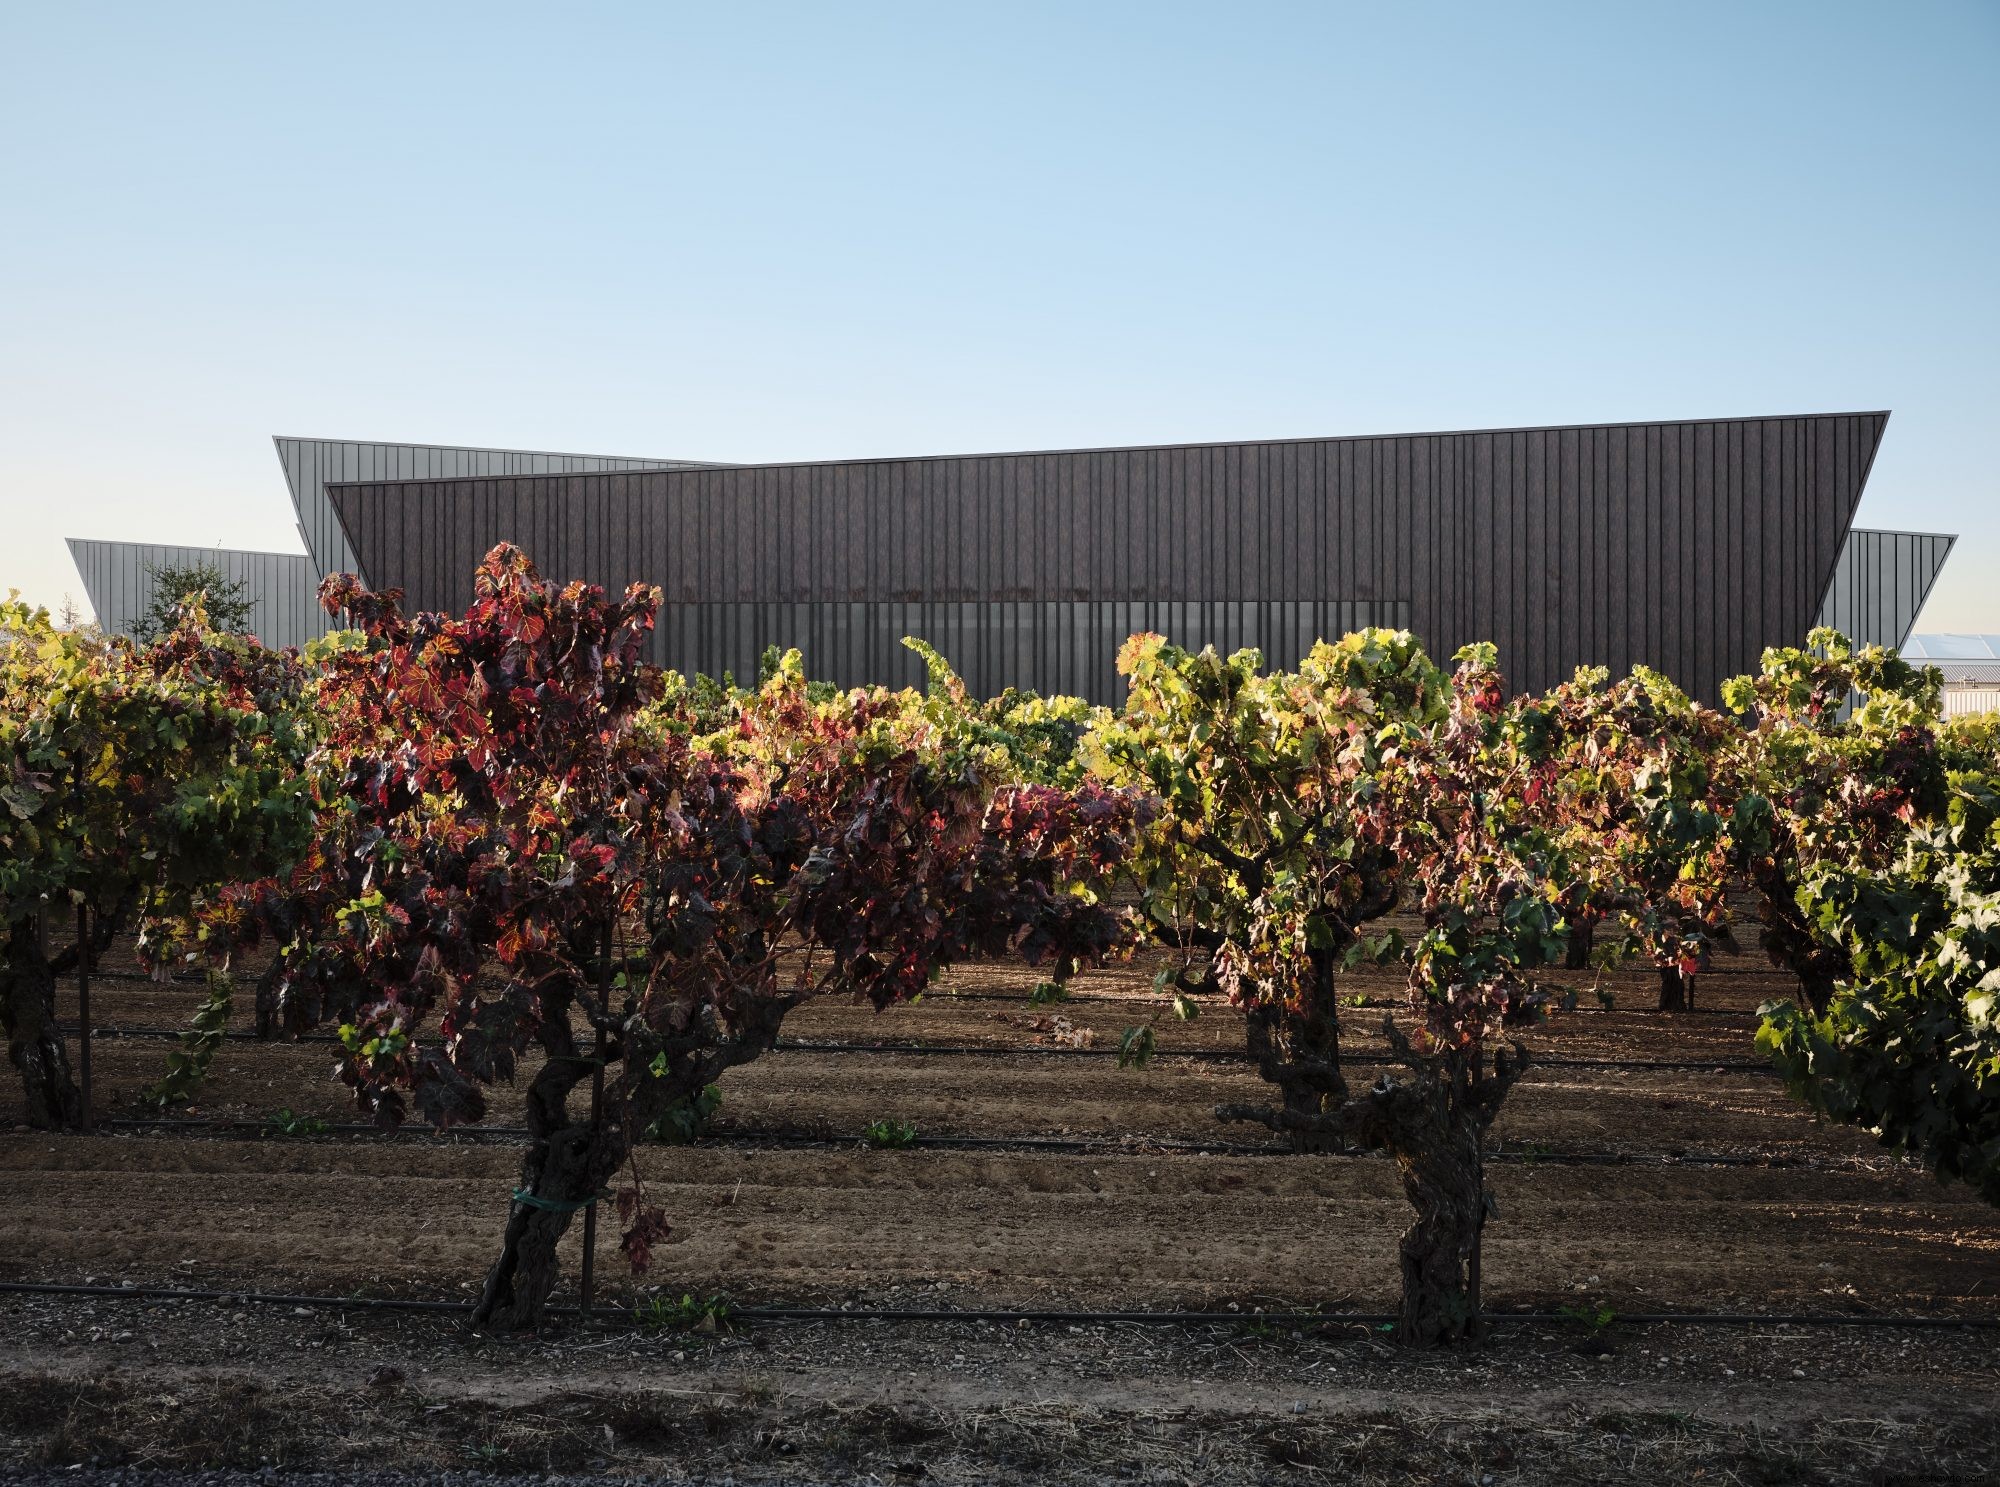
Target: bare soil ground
{"points": [[1695, 1186], [102, 1385]]}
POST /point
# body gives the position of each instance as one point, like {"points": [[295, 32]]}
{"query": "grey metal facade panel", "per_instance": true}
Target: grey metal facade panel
{"points": [[1686, 546], [1880, 583], [283, 587], [1969, 673], [309, 465]]}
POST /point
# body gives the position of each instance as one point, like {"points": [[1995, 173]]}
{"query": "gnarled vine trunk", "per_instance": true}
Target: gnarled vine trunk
{"points": [[266, 1007], [34, 1038], [1819, 979], [1297, 1048], [1789, 941], [1582, 940], [1296, 1045], [569, 1161], [1433, 1124], [563, 1172], [1436, 1142], [566, 1166], [1676, 990]]}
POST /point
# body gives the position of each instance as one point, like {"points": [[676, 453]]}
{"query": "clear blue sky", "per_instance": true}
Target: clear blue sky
{"points": [[765, 231]]}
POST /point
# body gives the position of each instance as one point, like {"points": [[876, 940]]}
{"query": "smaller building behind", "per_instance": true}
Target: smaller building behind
{"points": [[1971, 667]]}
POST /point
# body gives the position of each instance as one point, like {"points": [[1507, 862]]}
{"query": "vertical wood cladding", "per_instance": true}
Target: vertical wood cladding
{"points": [[313, 464], [1686, 546]]}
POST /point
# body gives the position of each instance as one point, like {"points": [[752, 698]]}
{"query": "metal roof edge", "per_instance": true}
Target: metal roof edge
{"points": [[243, 552], [1000, 454], [560, 454]]}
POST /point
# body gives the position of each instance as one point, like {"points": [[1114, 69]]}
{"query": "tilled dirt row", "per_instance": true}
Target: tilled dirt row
{"points": [[989, 1006], [997, 1020], [202, 1385], [1554, 1110], [1559, 1108], [1008, 1230], [1846, 1228]]}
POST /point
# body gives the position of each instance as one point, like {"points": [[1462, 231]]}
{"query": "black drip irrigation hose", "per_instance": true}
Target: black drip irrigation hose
{"points": [[982, 1050], [951, 998], [1369, 1004], [1005, 1315], [1234, 1056], [946, 998], [233, 1035], [1166, 1146], [1650, 1065], [248, 1129], [172, 978]]}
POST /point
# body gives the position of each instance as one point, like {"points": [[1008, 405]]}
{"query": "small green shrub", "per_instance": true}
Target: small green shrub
{"points": [[1136, 1046], [288, 1122], [1592, 1316], [705, 1316], [187, 1065], [890, 1133], [686, 1120]]}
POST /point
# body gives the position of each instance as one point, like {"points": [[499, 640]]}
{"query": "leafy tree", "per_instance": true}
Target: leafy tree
{"points": [[1828, 784], [226, 601], [1488, 849], [1644, 800], [1030, 737], [1975, 736], [135, 781], [1869, 829], [1908, 1046], [1258, 849], [1295, 808], [503, 803]]}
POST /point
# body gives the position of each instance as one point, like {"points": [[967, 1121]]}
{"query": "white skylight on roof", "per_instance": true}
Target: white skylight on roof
{"points": [[1953, 648]]}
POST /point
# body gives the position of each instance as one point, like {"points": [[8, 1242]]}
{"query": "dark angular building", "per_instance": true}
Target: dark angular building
{"points": [[1685, 546], [283, 587]]}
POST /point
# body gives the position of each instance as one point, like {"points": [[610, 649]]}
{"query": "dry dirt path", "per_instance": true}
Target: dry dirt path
{"points": [[200, 1386]]}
